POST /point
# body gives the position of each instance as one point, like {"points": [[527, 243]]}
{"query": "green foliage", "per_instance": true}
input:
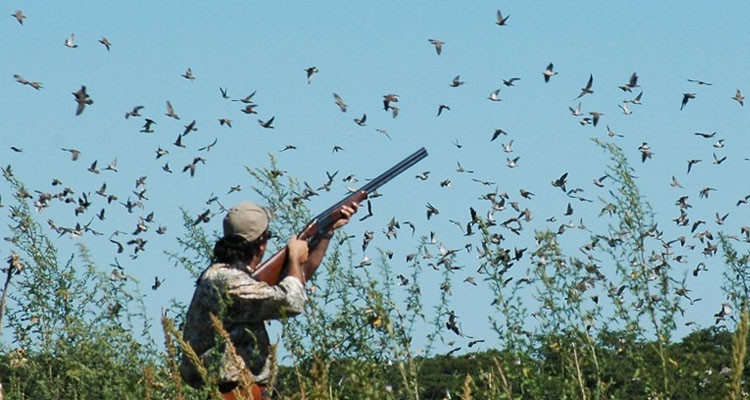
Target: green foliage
{"points": [[74, 327]]}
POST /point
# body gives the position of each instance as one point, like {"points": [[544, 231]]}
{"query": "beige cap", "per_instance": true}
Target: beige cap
{"points": [[248, 220]]}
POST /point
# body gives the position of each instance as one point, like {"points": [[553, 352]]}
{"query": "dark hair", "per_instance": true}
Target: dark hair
{"points": [[233, 249]]}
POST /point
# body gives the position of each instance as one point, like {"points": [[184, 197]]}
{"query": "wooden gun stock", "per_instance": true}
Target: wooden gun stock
{"points": [[271, 270]]}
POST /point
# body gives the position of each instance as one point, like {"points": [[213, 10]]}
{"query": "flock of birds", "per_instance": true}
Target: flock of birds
{"points": [[504, 213]]}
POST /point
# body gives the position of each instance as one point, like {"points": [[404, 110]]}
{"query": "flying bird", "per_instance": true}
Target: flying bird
{"points": [[512, 162], [74, 153], [632, 83], [738, 97], [135, 112], [625, 109], [188, 74], [70, 41], [104, 41], [250, 109], [726, 310], [595, 116], [310, 71], [456, 82], [147, 126], [18, 15], [548, 72], [247, 99], [685, 98], [209, 146], [497, 133], [692, 162], [500, 19], [189, 128], [267, 124], [170, 111], [509, 82], [645, 150], [384, 132], [495, 95], [340, 102], [388, 99], [83, 99], [587, 90], [441, 108], [699, 82], [576, 112], [361, 121], [637, 99], [706, 135], [438, 45]]}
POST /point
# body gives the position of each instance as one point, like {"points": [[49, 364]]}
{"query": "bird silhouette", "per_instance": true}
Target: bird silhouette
{"points": [[82, 99]]}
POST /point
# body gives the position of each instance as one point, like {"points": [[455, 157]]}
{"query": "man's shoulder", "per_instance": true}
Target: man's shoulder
{"points": [[223, 273]]}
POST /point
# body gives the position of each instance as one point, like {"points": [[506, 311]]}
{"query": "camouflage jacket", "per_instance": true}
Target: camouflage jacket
{"points": [[243, 305]]}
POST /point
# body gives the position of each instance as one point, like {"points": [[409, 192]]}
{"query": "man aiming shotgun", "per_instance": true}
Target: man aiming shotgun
{"points": [[244, 293]]}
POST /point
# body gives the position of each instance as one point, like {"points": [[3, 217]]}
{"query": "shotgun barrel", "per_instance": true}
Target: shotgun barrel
{"points": [[270, 271]]}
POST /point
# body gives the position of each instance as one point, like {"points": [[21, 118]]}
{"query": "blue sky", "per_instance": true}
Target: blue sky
{"points": [[365, 50]]}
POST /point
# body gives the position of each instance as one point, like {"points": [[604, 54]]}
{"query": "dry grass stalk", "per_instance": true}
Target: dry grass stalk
{"points": [[174, 370], [319, 375], [243, 390], [578, 374], [274, 371], [466, 392], [739, 351], [501, 372], [148, 378]]}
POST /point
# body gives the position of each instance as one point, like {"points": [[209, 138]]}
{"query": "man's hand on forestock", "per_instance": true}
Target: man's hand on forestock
{"points": [[346, 214], [297, 254]]}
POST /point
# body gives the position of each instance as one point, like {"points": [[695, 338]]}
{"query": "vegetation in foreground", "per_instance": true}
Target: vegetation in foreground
{"points": [[79, 333]]}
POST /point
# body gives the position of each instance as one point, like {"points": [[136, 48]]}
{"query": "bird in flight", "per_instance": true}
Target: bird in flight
{"points": [[548, 72], [501, 21], [310, 72], [339, 102], [495, 95], [70, 41], [576, 112], [456, 82], [632, 83], [170, 111], [18, 15], [134, 113], [188, 74], [636, 100], [685, 98], [83, 99], [586, 90], [361, 121], [441, 108], [147, 126], [438, 45], [692, 162], [74, 153], [699, 82], [509, 82], [738, 97], [104, 41], [498, 132], [267, 124]]}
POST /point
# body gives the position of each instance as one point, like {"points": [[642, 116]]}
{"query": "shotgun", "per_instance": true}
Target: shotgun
{"points": [[270, 271]]}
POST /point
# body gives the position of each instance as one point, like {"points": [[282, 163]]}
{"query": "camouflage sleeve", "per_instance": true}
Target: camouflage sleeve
{"points": [[258, 301]]}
